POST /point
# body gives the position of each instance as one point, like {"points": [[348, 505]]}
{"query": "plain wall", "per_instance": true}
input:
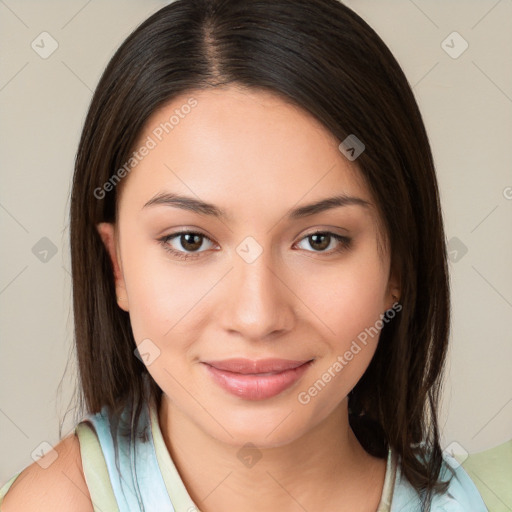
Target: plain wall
{"points": [[466, 103]]}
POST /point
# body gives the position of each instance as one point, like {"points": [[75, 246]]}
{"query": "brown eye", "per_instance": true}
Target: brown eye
{"points": [[321, 240], [184, 244], [191, 241]]}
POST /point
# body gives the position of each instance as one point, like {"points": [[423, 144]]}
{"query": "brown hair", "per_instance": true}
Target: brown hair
{"points": [[324, 58]]}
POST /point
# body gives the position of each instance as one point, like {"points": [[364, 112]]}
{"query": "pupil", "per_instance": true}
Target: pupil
{"points": [[195, 239], [322, 245]]}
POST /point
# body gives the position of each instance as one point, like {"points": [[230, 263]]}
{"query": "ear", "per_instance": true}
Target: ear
{"points": [[107, 231], [393, 292]]}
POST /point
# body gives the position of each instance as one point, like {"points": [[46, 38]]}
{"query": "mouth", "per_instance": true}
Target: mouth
{"points": [[256, 380]]}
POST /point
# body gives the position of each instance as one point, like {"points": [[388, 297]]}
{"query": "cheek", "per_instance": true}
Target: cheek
{"points": [[164, 308], [160, 293], [166, 304], [170, 303], [348, 303], [347, 297]]}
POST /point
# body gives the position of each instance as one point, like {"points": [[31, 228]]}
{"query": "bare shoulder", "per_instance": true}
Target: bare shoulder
{"points": [[60, 486]]}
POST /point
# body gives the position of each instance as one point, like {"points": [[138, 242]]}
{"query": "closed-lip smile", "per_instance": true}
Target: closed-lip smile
{"points": [[256, 379]]}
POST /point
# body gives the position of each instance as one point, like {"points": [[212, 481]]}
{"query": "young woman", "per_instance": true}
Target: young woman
{"points": [[260, 284]]}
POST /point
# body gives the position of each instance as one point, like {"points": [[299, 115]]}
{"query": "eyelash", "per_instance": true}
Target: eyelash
{"points": [[345, 243]]}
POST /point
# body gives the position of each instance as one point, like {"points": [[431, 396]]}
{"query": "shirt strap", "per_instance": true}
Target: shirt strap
{"points": [[95, 469]]}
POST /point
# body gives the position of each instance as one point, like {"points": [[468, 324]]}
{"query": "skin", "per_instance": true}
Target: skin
{"points": [[256, 156]]}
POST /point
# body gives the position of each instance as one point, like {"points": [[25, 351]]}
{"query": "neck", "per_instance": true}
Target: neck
{"points": [[326, 468]]}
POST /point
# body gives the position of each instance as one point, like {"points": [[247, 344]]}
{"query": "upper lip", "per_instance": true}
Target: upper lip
{"points": [[245, 366]]}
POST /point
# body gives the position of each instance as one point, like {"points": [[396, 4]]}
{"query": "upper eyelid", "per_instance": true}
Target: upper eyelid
{"points": [[172, 236]]}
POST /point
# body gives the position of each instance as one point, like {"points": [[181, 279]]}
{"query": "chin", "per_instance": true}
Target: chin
{"points": [[262, 427]]}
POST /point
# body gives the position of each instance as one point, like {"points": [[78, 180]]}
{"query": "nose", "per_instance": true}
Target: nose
{"points": [[258, 303]]}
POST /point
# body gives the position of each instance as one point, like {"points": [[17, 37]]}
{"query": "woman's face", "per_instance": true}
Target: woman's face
{"points": [[257, 283]]}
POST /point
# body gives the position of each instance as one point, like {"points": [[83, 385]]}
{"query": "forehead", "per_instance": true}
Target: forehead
{"points": [[242, 146]]}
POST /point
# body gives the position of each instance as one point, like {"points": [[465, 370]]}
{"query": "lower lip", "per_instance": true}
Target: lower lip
{"points": [[257, 387]]}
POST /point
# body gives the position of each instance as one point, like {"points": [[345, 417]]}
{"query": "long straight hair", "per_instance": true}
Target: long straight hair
{"points": [[322, 57]]}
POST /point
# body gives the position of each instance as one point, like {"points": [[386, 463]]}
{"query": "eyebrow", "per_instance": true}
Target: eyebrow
{"points": [[204, 208]]}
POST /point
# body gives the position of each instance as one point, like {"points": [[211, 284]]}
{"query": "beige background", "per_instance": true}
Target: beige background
{"points": [[467, 107]]}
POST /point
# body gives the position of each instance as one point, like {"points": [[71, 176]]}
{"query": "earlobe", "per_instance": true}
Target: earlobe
{"points": [[107, 231]]}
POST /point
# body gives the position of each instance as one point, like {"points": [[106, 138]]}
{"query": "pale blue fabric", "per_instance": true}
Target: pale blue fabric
{"points": [[461, 495], [140, 485], [141, 476]]}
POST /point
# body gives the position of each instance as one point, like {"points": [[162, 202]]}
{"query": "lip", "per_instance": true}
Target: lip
{"points": [[245, 366], [256, 380]]}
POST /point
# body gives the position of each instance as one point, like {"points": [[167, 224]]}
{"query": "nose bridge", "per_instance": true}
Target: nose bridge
{"points": [[258, 303]]}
